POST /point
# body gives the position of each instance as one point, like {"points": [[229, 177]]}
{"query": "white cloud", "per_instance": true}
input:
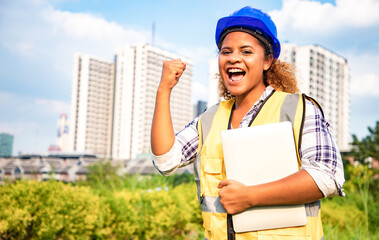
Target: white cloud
{"points": [[38, 30], [199, 91], [324, 18], [24, 105], [31, 120], [85, 26], [21, 48], [364, 74], [366, 84], [53, 106]]}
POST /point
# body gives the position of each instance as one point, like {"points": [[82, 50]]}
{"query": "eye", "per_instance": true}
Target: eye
{"points": [[225, 52], [246, 52]]}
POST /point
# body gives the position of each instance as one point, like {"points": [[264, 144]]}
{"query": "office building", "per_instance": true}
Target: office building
{"points": [[324, 76], [138, 71], [201, 106], [6, 145], [213, 92], [62, 133], [91, 106]]}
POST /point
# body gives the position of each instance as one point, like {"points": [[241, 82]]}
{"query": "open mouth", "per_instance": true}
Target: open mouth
{"points": [[235, 74]]}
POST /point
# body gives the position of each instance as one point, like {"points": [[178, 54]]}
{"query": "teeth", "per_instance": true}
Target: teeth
{"points": [[234, 70]]}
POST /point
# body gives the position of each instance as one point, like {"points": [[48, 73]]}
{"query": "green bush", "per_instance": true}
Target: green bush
{"points": [[154, 207], [155, 214], [54, 210], [355, 216], [48, 210]]}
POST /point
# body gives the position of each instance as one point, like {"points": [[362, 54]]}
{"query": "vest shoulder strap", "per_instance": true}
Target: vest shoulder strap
{"points": [[315, 103], [205, 122]]}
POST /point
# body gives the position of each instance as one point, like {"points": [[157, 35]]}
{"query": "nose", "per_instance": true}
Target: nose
{"points": [[234, 58]]}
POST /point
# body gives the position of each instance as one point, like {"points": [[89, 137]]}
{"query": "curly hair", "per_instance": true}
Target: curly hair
{"points": [[280, 75]]}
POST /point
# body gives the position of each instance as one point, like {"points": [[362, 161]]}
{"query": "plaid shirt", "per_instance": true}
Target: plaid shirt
{"points": [[319, 153]]}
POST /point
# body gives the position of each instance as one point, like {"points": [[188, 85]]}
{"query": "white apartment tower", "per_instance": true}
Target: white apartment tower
{"points": [[138, 72], [213, 92], [324, 76], [91, 106]]}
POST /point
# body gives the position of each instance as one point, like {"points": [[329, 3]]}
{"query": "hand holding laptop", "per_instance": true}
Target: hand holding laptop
{"points": [[230, 193]]}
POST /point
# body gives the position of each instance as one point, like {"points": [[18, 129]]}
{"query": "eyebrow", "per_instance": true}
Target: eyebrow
{"points": [[247, 46], [244, 46]]}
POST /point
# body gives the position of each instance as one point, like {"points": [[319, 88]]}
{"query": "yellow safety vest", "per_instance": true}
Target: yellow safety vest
{"points": [[210, 170]]}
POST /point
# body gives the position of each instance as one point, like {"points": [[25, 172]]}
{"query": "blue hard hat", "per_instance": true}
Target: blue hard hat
{"points": [[253, 21]]}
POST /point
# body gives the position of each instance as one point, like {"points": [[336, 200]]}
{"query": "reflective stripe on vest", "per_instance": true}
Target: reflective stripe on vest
{"points": [[209, 166]]}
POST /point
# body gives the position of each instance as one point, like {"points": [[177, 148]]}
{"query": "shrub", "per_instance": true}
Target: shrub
{"points": [[48, 210], [54, 210]]}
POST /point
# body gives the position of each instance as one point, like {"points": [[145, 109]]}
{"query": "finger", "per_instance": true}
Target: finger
{"points": [[223, 183], [179, 63]]}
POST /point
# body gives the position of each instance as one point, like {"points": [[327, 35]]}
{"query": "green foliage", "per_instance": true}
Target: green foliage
{"points": [[368, 146], [108, 206], [53, 210], [103, 174], [357, 215], [48, 210]]}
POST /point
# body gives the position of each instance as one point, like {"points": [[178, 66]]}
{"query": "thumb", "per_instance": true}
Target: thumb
{"points": [[223, 183]]}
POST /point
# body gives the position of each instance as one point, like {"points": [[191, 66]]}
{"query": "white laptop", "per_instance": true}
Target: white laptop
{"points": [[257, 155]]}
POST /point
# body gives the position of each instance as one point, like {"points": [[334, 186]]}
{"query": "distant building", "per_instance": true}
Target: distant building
{"points": [[91, 106], [201, 106], [138, 72], [54, 149], [325, 76], [62, 133], [213, 93], [6, 145], [61, 167]]}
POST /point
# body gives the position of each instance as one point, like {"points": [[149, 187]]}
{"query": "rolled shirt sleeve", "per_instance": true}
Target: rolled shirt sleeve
{"points": [[319, 153], [167, 163], [182, 153]]}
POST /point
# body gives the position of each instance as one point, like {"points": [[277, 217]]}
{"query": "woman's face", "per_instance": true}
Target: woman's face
{"points": [[241, 64]]}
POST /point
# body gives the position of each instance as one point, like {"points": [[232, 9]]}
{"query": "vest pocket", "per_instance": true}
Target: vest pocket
{"points": [[215, 225], [279, 237], [212, 174], [289, 233], [212, 165]]}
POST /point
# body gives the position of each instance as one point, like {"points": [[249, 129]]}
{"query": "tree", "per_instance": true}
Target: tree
{"points": [[103, 174], [367, 147]]}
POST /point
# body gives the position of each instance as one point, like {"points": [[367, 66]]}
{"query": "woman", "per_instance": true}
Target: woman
{"points": [[254, 84]]}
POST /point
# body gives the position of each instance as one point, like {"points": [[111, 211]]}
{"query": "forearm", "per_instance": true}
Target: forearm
{"points": [[162, 132], [297, 188]]}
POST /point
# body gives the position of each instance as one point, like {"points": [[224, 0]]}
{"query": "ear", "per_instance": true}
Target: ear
{"points": [[268, 61]]}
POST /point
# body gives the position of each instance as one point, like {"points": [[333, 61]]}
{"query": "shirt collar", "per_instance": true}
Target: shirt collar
{"points": [[264, 95]]}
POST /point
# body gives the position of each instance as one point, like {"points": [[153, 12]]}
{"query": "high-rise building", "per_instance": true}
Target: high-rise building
{"points": [[91, 105], [6, 145], [62, 133], [213, 93], [138, 71], [325, 76], [201, 106]]}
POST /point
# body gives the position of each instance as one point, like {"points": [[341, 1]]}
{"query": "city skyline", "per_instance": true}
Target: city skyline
{"points": [[39, 39]]}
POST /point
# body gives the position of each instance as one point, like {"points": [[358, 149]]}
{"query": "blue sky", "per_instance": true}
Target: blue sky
{"points": [[39, 38]]}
